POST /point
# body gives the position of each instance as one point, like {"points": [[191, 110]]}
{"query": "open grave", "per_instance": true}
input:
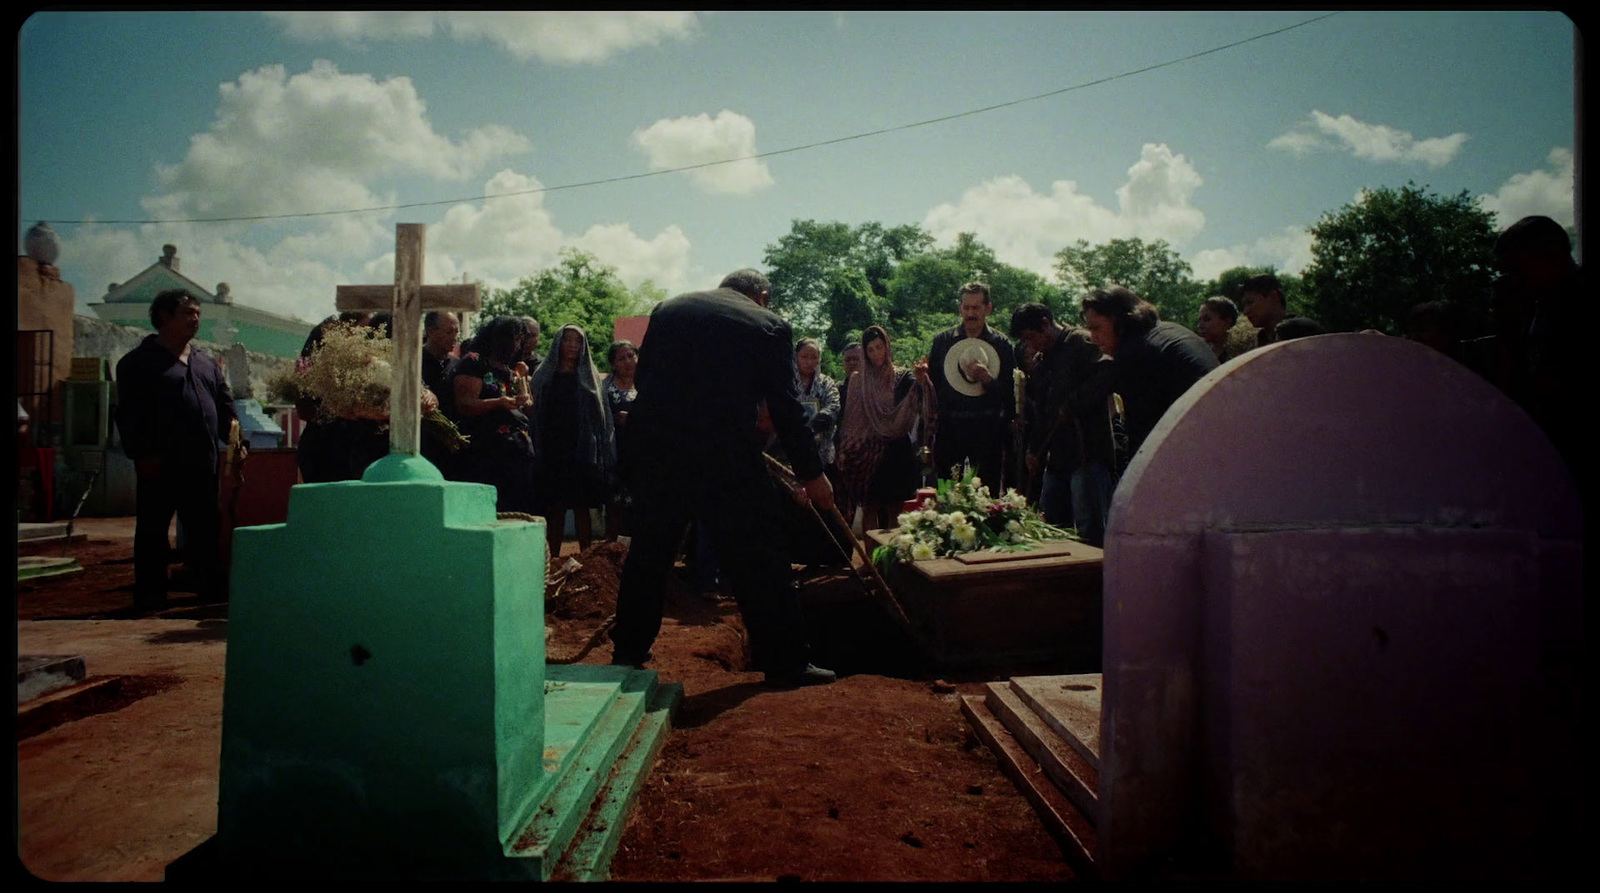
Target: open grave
{"points": [[1342, 636]]}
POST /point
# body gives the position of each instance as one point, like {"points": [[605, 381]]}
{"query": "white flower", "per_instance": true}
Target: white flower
{"points": [[904, 520], [966, 535], [905, 539], [930, 515], [958, 517], [921, 552], [1013, 527]]}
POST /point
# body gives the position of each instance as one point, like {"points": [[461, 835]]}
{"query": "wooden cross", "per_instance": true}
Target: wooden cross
{"points": [[406, 301]]}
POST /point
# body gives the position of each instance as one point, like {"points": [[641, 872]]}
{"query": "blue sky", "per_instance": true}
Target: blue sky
{"points": [[1230, 157]]}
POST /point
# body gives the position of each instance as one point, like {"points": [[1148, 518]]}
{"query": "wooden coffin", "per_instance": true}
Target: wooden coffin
{"points": [[986, 608]]}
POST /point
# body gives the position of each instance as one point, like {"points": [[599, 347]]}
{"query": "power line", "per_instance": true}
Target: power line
{"points": [[759, 155]]}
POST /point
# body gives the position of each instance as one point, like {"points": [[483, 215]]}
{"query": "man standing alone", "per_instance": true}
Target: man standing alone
{"points": [[972, 367], [174, 411], [708, 360]]}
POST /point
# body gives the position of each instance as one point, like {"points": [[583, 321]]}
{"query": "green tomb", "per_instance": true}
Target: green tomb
{"points": [[387, 710]]}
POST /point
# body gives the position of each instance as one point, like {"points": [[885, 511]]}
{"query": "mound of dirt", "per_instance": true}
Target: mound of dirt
{"points": [[590, 591]]}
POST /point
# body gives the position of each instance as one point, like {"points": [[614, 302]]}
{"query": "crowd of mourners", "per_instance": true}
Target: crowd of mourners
{"points": [[1048, 408], [542, 430]]}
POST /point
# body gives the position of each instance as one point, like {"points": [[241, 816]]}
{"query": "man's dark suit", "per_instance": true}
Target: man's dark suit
{"points": [[179, 414], [707, 360]]}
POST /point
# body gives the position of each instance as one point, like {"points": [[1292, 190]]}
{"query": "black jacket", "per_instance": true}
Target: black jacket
{"points": [[707, 360], [176, 412], [1152, 370], [1074, 383], [998, 400]]}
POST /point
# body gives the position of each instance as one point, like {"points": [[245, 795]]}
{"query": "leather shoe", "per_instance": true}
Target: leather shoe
{"points": [[810, 674], [621, 660]]}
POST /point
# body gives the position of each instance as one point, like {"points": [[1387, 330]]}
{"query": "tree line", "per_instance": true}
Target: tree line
{"points": [[1372, 261]]}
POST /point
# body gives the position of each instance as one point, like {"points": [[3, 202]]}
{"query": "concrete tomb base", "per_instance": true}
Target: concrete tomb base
{"points": [[41, 674], [1045, 733], [1342, 630], [387, 710], [31, 566]]}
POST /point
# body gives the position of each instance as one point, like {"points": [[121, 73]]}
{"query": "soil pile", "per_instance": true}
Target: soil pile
{"points": [[589, 592], [873, 778]]}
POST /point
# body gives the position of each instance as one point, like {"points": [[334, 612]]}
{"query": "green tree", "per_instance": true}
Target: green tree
{"points": [[1391, 249], [849, 307], [925, 290], [647, 295], [799, 265], [880, 249], [802, 264], [577, 289], [1151, 269]]}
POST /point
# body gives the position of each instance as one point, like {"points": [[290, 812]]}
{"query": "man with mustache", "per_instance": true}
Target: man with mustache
{"points": [[976, 405]]}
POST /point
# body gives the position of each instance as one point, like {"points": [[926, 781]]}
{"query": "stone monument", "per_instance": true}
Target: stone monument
{"points": [[387, 710], [1342, 627]]}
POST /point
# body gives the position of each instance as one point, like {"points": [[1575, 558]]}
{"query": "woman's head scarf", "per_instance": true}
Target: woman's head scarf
{"points": [[596, 442], [871, 409]]}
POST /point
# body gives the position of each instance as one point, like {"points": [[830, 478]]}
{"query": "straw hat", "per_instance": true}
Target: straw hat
{"points": [[963, 354]]}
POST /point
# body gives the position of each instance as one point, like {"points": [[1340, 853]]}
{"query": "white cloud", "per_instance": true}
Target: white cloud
{"points": [[1289, 252], [1026, 228], [314, 141], [1546, 192], [664, 259], [283, 278], [697, 139], [501, 240], [496, 242], [1375, 142], [1298, 142], [1437, 151], [558, 37]]}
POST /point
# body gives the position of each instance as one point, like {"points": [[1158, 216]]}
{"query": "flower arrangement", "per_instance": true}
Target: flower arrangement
{"points": [[348, 374], [963, 517]]}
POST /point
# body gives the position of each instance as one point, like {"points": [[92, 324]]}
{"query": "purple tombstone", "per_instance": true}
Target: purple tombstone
{"points": [[1342, 581]]}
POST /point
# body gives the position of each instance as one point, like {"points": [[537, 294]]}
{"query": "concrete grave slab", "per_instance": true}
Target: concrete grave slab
{"points": [[1070, 705], [1339, 576], [38, 674]]}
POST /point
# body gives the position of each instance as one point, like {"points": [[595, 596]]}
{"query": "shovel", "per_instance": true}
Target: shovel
{"points": [[93, 476]]}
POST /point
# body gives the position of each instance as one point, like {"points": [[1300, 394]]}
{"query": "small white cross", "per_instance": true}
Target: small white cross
{"points": [[406, 301]]}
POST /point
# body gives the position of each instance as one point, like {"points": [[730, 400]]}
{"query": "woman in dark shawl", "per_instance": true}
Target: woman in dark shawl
{"points": [[499, 450], [574, 448], [876, 458]]}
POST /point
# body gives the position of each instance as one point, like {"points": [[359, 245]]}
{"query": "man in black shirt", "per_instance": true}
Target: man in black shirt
{"points": [[1070, 442], [1153, 362], [1264, 305], [440, 328], [174, 412], [708, 359], [976, 397]]}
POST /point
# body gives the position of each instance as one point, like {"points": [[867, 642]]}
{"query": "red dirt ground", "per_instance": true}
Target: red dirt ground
{"points": [[875, 777]]}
